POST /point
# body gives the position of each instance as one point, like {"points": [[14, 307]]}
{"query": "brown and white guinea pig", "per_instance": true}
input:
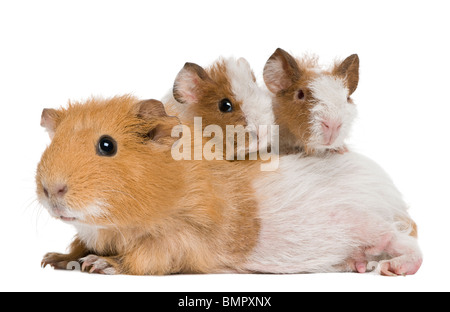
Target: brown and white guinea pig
{"points": [[224, 94], [109, 172], [312, 106]]}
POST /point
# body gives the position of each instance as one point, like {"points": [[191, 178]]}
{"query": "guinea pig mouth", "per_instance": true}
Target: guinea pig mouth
{"points": [[67, 219], [59, 213]]}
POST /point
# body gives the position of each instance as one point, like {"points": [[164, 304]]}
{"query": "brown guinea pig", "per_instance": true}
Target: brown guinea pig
{"points": [[312, 106], [226, 95], [109, 172]]}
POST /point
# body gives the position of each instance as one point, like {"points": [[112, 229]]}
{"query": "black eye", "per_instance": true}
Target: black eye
{"points": [[300, 95], [106, 146], [225, 106]]}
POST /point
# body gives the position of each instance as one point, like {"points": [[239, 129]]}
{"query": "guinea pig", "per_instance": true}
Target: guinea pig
{"points": [[225, 94], [331, 214], [109, 172], [312, 106]]}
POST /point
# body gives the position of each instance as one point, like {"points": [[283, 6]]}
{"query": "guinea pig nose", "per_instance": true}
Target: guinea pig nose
{"points": [[331, 126], [58, 190], [62, 189], [330, 130]]}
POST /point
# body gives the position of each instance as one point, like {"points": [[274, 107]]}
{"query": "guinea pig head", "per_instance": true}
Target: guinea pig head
{"points": [[107, 163], [314, 105], [226, 94]]}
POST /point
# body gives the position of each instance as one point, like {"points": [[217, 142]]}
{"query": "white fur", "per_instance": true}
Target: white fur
{"points": [[317, 212], [88, 234], [331, 104], [256, 104], [58, 208], [96, 209]]}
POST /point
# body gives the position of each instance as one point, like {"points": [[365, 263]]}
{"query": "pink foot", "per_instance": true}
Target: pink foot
{"points": [[341, 150], [361, 266], [400, 266]]}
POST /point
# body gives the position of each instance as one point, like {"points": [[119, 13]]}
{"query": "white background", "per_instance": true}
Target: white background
{"points": [[53, 51]]}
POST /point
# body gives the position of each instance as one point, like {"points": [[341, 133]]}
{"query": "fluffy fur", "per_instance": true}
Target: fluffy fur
{"points": [[197, 93], [141, 212], [326, 214], [155, 215], [305, 96]]}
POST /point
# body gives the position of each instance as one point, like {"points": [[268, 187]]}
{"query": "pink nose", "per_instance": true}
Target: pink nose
{"points": [[330, 130], [58, 190]]}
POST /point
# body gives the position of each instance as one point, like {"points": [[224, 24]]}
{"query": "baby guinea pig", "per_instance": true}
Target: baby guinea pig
{"points": [[109, 172], [224, 94], [312, 106]]}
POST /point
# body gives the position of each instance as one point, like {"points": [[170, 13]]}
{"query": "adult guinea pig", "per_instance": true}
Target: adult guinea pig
{"points": [[109, 172], [225, 94], [312, 105]]}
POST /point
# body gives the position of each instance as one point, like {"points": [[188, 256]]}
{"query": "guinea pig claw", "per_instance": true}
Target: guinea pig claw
{"points": [[55, 260], [400, 266], [44, 264], [96, 264], [342, 150]]}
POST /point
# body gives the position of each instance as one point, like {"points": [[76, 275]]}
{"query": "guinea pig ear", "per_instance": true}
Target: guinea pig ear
{"points": [[49, 120], [349, 71], [243, 62], [161, 124], [188, 83], [281, 71]]}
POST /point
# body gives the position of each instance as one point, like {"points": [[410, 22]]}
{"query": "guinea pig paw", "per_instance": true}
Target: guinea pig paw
{"points": [[96, 264], [402, 265], [357, 264], [341, 150], [57, 261]]}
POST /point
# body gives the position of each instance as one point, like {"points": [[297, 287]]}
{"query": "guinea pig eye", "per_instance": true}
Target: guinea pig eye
{"points": [[225, 106], [301, 95], [106, 146]]}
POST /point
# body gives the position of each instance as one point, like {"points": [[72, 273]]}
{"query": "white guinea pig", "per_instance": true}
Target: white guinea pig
{"points": [[332, 213]]}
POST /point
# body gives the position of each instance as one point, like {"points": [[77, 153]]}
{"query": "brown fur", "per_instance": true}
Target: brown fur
{"points": [[291, 113], [160, 216], [414, 230], [211, 86], [349, 70], [409, 225], [285, 76]]}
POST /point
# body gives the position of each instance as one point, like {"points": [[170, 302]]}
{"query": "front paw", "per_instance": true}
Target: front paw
{"points": [[60, 261], [100, 265], [341, 150]]}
